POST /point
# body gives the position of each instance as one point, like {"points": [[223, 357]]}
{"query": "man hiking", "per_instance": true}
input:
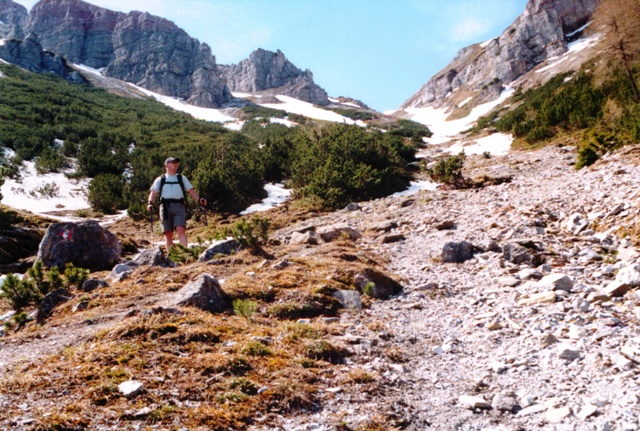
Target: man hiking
{"points": [[172, 188]]}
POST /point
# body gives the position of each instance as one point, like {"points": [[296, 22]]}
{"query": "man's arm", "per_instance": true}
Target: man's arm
{"points": [[194, 195], [152, 199]]}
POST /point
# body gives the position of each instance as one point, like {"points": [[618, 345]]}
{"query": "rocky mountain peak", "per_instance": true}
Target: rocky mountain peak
{"points": [[12, 18], [480, 70], [149, 51], [270, 72]]}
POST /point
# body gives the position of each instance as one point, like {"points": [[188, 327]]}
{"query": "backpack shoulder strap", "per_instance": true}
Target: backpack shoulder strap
{"points": [[184, 193]]}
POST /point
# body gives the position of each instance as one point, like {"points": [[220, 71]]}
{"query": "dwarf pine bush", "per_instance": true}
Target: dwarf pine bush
{"points": [[449, 171]]}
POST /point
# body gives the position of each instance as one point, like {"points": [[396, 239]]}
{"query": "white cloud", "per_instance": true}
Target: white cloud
{"points": [[470, 28]]}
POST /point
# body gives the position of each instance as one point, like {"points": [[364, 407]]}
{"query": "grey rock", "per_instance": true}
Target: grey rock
{"points": [[223, 246], [377, 284], [383, 226], [308, 237], [29, 55], [505, 402], [204, 293], [568, 353], [555, 282], [391, 238], [576, 223], [445, 225], [120, 272], [131, 388], [629, 275], [51, 301], [12, 18], [472, 402], [152, 257], [93, 284], [85, 244], [458, 252], [333, 232], [515, 253], [350, 299]]}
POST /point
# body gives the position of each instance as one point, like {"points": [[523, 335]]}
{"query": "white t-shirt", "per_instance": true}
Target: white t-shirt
{"points": [[171, 190]]}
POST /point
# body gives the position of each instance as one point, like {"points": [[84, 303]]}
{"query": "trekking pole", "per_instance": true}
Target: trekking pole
{"points": [[204, 213], [151, 222]]}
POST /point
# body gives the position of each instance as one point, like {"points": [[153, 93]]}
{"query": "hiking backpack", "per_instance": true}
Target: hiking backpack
{"points": [[163, 181]]}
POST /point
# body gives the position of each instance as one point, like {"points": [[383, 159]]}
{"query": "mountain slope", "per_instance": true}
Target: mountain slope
{"points": [[480, 71]]}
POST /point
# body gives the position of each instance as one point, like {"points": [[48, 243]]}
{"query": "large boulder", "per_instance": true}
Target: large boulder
{"points": [[458, 252], [85, 244]]}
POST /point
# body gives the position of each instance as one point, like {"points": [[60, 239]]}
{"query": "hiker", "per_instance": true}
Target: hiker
{"points": [[172, 188]]}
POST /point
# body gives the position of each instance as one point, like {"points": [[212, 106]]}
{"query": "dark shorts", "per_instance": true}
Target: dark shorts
{"points": [[177, 216]]}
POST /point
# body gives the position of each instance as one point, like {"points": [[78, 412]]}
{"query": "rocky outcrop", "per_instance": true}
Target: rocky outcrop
{"points": [[12, 18], [271, 73], [541, 32], [29, 55], [137, 47], [86, 245]]}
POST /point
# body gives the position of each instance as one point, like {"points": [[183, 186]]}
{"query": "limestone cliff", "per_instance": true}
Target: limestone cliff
{"points": [[269, 72], [137, 47], [541, 32], [12, 19]]}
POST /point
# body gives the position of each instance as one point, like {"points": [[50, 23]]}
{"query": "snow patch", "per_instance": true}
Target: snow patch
{"points": [[486, 43], [464, 102], [295, 106], [277, 194], [573, 48], [415, 187], [2, 41], [573, 33], [497, 144], [207, 114], [45, 193], [445, 131]]}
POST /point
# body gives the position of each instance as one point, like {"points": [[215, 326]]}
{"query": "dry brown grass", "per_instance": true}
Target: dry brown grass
{"points": [[199, 370]]}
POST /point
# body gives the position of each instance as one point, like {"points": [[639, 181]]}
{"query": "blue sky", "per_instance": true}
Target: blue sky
{"points": [[377, 51]]}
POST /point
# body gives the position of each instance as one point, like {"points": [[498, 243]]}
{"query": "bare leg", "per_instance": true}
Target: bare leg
{"points": [[182, 235], [168, 240]]}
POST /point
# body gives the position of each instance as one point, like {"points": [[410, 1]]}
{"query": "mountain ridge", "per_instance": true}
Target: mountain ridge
{"points": [[483, 69], [149, 51]]}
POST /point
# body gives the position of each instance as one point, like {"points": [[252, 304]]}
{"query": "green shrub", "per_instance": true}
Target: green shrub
{"points": [[245, 386], [37, 274], [18, 293], [244, 307], [410, 129], [251, 234], [50, 160], [106, 193], [181, 254], [340, 164], [587, 156], [30, 290], [75, 276], [449, 171], [256, 348]]}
